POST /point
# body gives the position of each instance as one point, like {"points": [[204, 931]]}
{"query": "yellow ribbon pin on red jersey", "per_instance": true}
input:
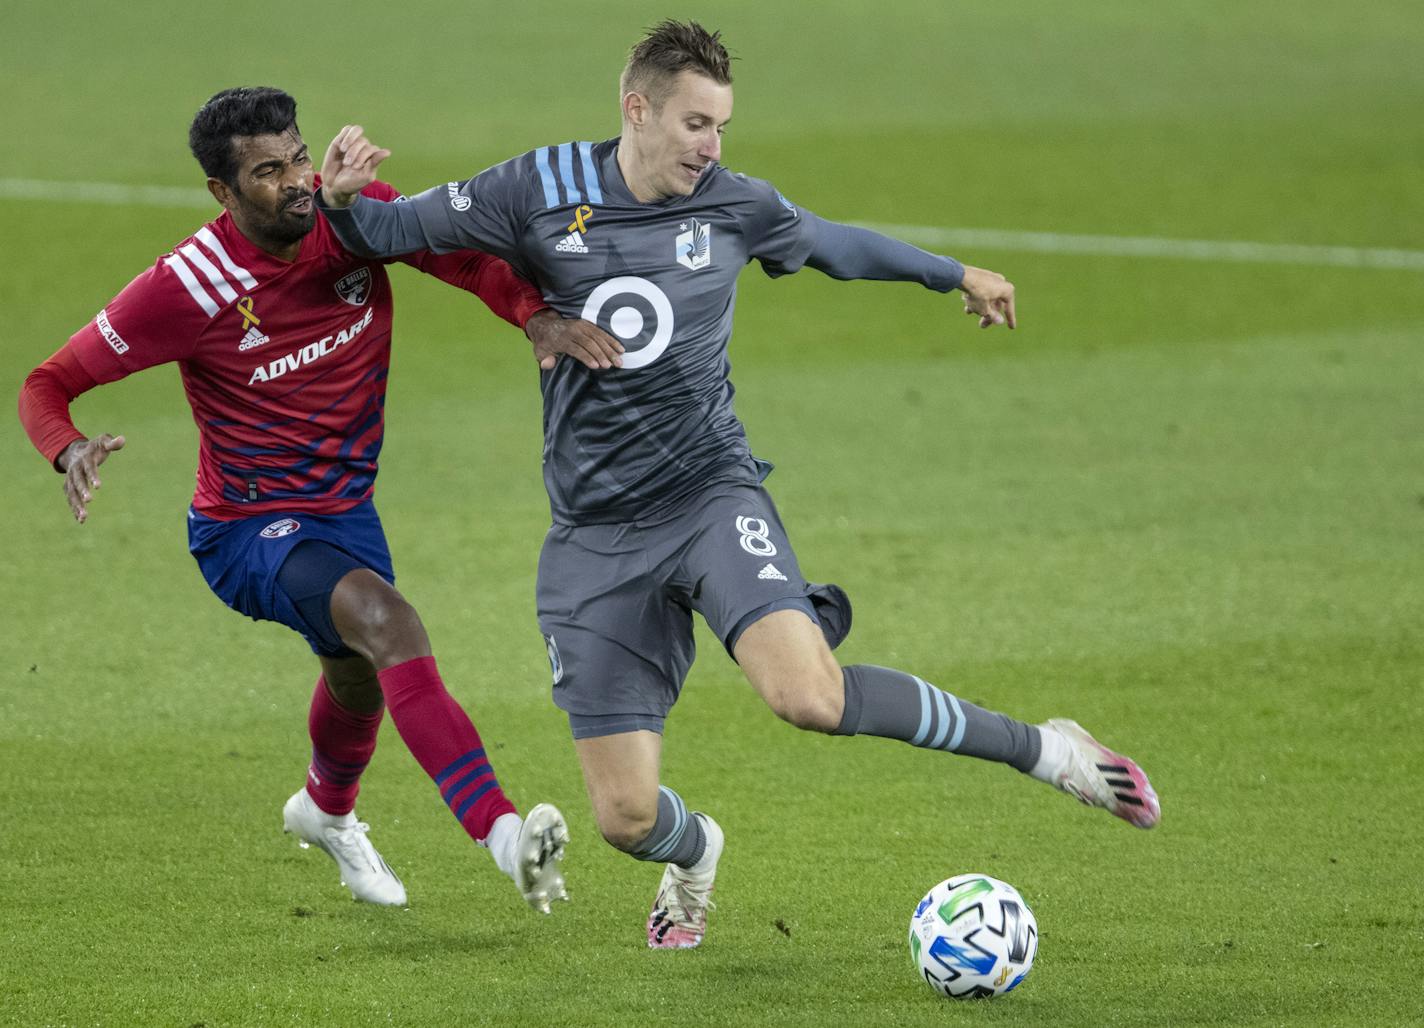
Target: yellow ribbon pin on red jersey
{"points": [[248, 318]]}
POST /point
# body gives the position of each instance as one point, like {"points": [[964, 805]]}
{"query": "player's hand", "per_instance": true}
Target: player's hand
{"points": [[80, 461], [349, 166], [989, 296], [582, 340]]}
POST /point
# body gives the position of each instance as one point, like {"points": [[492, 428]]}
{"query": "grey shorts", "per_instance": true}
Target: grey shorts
{"points": [[616, 602]]}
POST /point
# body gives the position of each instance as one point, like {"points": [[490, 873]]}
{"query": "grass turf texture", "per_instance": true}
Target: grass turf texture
{"points": [[1183, 505]]}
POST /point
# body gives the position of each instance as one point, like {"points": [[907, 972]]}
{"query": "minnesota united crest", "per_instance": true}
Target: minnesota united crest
{"points": [[355, 287], [694, 246]]}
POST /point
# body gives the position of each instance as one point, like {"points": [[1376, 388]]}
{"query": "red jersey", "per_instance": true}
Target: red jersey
{"points": [[284, 364]]}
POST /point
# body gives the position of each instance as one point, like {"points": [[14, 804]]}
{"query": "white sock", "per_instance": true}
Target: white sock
{"points": [[1053, 758], [503, 840]]}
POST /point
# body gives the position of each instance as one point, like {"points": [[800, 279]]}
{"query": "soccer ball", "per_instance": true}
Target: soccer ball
{"points": [[973, 937]]}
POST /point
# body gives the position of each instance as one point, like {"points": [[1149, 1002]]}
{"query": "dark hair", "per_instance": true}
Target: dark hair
{"points": [[669, 48], [244, 111]]}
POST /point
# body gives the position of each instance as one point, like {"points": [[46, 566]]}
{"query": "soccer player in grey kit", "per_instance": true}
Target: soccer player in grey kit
{"points": [[658, 505]]}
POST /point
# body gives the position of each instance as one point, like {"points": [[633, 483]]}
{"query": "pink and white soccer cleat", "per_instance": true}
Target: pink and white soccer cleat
{"points": [[1100, 777], [679, 917]]}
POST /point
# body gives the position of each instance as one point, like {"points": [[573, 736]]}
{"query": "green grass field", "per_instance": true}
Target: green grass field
{"points": [[1182, 504]]}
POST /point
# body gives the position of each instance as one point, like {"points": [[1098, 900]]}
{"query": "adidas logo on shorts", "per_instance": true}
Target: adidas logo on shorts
{"points": [[571, 243], [770, 572]]}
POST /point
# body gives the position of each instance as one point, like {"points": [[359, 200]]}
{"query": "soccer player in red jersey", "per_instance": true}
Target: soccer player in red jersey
{"points": [[283, 340]]}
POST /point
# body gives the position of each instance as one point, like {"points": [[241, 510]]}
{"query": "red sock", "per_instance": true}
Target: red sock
{"points": [[342, 744], [443, 740]]}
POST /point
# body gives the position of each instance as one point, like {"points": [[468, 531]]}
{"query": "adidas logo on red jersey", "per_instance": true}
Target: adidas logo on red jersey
{"points": [[254, 338]]}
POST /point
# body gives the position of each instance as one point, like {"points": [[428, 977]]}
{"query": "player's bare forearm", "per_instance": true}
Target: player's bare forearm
{"points": [[989, 296], [349, 166], [80, 463], [584, 341]]}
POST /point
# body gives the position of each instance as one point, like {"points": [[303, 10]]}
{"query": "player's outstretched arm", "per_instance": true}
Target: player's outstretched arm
{"points": [[366, 226], [349, 166], [988, 295], [80, 463], [851, 252]]}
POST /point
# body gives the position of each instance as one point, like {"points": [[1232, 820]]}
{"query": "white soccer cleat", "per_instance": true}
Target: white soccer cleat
{"points": [[540, 847], [343, 839], [679, 917], [1100, 777]]}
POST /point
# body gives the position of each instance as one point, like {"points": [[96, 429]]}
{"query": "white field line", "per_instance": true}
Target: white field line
{"points": [[966, 239], [112, 194], [971, 239]]}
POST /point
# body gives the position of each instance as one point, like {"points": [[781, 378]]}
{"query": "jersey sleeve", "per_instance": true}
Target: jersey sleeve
{"points": [[491, 279], [850, 252], [497, 284], [776, 233], [44, 403], [786, 239], [157, 318], [487, 212]]}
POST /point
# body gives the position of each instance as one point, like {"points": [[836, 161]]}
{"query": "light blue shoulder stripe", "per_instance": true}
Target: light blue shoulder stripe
{"points": [[590, 174], [546, 175], [566, 172]]}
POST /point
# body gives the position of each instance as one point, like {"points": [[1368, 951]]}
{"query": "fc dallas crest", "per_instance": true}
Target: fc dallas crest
{"points": [[355, 287]]}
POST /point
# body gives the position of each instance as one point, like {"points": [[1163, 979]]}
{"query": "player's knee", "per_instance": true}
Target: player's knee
{"points": [[813, 701], [391, 624], [810, 713], [397, 633], [624, 824], [625, 835], [383, 627]]}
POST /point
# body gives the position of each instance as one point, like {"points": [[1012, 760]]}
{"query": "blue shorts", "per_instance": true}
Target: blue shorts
{"points": [[240, 560]]}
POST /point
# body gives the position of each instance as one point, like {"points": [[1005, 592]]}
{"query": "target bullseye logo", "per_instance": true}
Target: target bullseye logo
{"points": [[632, 299]]}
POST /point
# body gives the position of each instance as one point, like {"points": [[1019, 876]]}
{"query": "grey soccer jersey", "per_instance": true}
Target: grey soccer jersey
{"points": [[624, 444]]}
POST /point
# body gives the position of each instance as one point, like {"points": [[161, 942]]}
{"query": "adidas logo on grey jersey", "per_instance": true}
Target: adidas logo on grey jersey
{"points": [[770, 572], [571, 243]]}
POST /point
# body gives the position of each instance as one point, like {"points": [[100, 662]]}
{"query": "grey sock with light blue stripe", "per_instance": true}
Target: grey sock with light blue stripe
{"points": [[677, 836], [891, 704]]}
